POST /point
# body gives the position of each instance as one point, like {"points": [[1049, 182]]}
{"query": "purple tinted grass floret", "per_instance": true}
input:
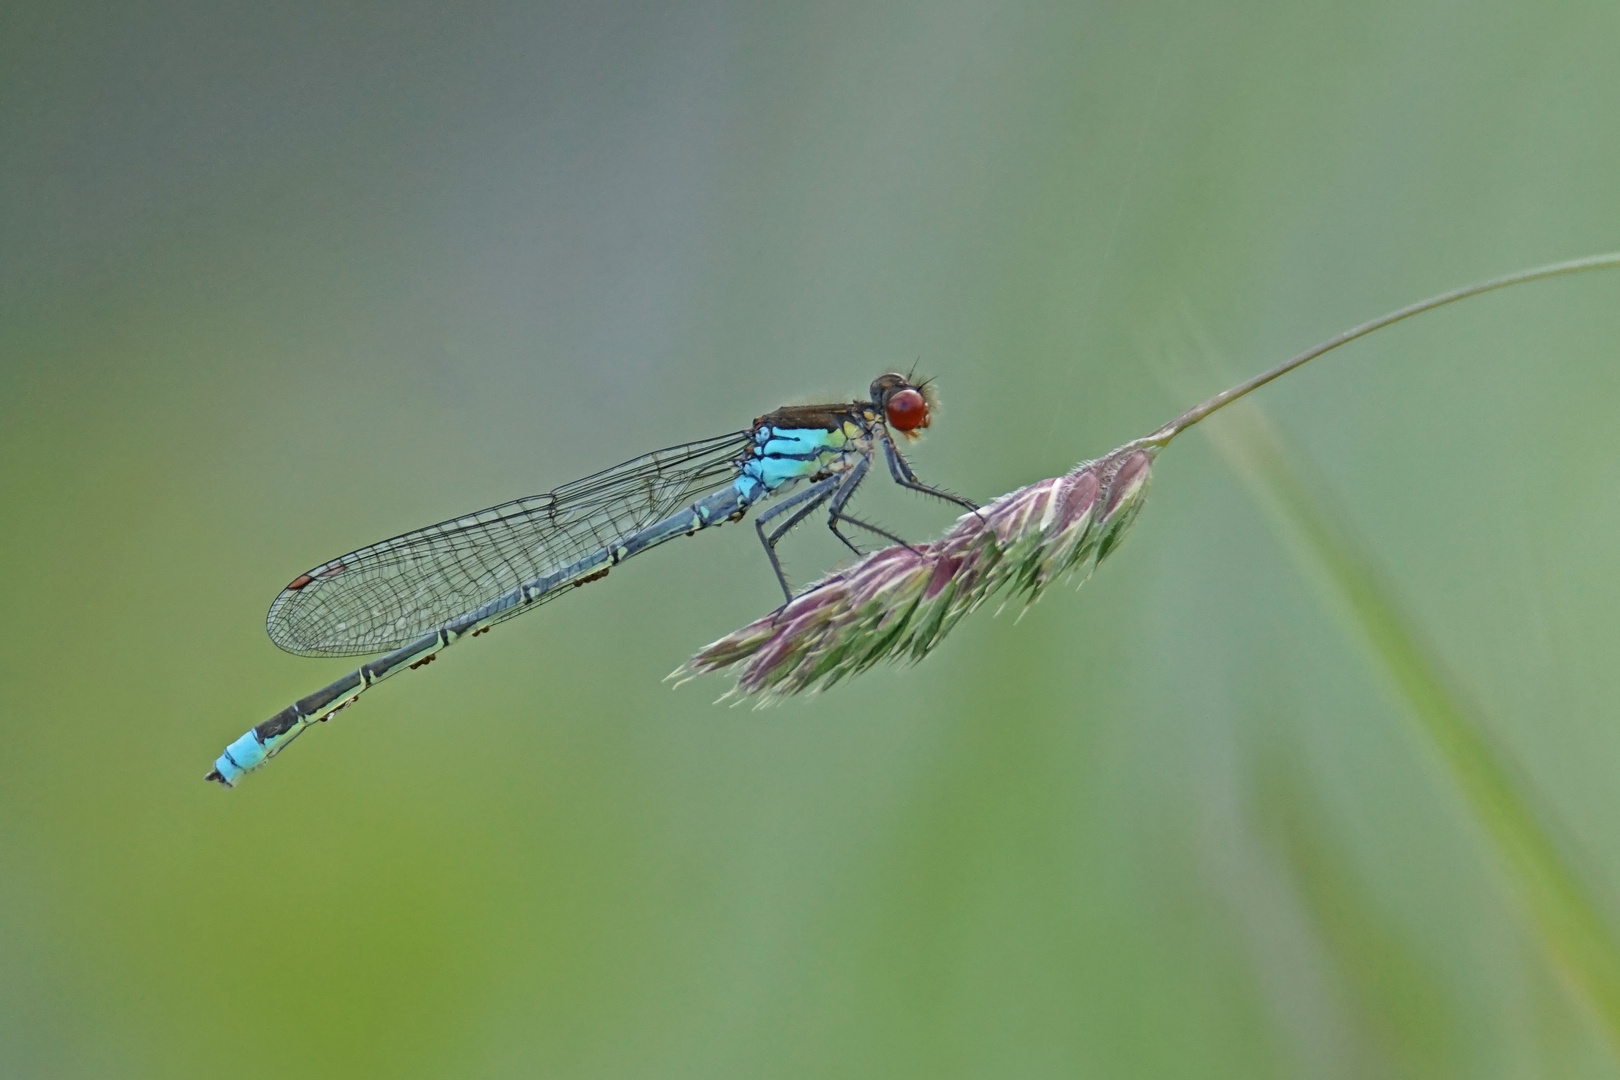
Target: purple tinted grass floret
{"points": [[897, 603]]}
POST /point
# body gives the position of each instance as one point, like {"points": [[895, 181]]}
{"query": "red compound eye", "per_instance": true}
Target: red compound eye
{"points": [[907, 411]]}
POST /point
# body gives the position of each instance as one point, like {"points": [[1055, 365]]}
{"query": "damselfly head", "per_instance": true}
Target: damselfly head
{"points": [[907, 406]]}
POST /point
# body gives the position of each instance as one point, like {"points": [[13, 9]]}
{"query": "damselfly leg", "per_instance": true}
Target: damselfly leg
{"points": [[845, 492], [835, 511], [840, 490], [803, 504], [900, 469]]}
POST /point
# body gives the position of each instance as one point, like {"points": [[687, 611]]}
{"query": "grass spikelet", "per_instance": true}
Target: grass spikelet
{"points": [[897, 603]]}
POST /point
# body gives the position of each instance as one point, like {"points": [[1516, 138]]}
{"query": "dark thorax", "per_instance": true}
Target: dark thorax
{"points": [[825, 417]]}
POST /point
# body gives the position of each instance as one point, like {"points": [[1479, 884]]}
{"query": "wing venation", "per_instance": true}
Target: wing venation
{"points": [[382, 596]]}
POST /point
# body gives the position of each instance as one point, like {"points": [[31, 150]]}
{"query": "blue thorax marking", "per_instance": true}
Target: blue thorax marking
{"points": [[781, 455]]}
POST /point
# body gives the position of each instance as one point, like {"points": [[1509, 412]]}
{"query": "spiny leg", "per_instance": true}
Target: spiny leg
{"points": [[806, 501], [841, 497], [783, 529], [846, 491], [900, 469], [832, 523], [869, 527], [797, 516]]}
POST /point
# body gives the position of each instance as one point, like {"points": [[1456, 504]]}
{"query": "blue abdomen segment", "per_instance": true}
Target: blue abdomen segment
{"points": [[249, 752], [254, 749], [242, 755]]}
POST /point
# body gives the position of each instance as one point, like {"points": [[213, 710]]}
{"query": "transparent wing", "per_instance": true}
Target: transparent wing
{"points": [[383, 596]]}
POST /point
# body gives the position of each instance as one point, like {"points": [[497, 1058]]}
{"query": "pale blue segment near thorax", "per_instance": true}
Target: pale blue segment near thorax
{"points": [[749, 488]]}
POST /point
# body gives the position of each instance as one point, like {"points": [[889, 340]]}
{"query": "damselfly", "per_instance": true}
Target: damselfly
{"points": [[422, 591]]}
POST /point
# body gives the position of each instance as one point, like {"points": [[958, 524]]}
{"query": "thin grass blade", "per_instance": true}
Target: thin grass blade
{"points": [[1576, 936]]}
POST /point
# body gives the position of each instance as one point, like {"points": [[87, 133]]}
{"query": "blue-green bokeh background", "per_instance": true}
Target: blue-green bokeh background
{"points": [[277, 280]]}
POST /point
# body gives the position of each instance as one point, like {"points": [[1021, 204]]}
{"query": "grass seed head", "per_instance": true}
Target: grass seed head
{"points": [[899, 602]]}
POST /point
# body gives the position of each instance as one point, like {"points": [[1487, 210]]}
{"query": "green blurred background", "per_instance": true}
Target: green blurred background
{"points": [[277, 280]]}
